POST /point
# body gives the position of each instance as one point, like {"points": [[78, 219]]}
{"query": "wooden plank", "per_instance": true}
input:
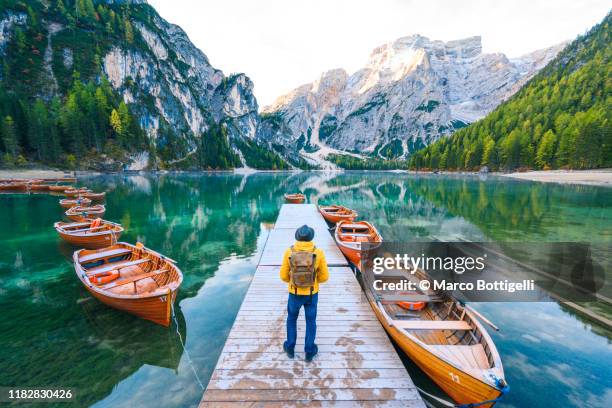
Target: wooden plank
{"points": [[306, 373], [116, 265], [316, 394], [300, 364], [103, 254], [432, 324], [356, 366], [325, 356], [308, 403], [307, 383]]}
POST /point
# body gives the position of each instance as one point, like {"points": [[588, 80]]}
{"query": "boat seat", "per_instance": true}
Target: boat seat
{"points": [[116, 266], [104, 254], [463, 356], [354, 226], [121, 282], [432, 325], [87, 229], [78, 224]]}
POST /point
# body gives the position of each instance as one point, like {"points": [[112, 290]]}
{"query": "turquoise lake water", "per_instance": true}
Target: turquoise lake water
{"points": [[54, 334]]}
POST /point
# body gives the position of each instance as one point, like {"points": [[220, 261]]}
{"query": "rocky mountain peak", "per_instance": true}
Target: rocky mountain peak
{"points": [[411, 92]]}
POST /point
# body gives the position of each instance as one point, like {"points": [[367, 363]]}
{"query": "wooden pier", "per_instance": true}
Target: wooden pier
{"points": [[356, 365]]}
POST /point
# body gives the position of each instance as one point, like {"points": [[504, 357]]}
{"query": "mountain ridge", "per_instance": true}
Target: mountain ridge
{"points": [[410, 92], [560, 119], [193, 116]]}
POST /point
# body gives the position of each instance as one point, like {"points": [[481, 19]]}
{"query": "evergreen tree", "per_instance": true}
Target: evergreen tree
{"points": [[115, 122], [9, 138], [546, 150], [561, 118]]}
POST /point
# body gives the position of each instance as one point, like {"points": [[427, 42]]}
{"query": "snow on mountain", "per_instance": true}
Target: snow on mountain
{"points": [[409, 93]]}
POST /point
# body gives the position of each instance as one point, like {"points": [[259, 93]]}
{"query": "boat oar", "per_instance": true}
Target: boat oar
{"points": [[481, 317]]}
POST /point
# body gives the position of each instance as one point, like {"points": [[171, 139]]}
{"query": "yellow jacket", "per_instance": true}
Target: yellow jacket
{"points": [[320, 267]]}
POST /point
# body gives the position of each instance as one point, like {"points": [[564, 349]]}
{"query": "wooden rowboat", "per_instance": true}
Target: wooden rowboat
{"points": [[72, 202], [76, 192], [355, 238], [79, 213], [445, 339], [297, 198], [335, 213], [131, 278], [39, 187], [14, 186], [60, 189], [87, 235], [96, 197]]}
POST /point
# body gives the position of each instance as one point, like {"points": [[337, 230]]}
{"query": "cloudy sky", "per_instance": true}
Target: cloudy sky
{"points": [[281, 44]]}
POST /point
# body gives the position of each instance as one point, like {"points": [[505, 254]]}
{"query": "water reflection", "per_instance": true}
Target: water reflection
{"points": [[214, 225]]}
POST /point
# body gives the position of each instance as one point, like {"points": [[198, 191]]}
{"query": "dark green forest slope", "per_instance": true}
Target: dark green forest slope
{"points": [[79, 116], [562, 118], [67, 114]]}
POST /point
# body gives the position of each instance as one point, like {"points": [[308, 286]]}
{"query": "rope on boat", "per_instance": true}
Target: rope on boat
{"points": [[263, 248], [500, 384], [437, 399], [185, 348]]}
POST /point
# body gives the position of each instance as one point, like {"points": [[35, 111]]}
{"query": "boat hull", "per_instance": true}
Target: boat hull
{"points": [[460, 386], [157, 309], [78, 213], [352, 254], [68, 203], [294, 199], [334, 218], [74, 194], [95, 197], [155, 306], [59, 189], [93, 241]]}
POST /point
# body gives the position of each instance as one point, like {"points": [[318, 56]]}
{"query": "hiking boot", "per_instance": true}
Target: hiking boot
{"points": [[310, 356], [290, 352]]}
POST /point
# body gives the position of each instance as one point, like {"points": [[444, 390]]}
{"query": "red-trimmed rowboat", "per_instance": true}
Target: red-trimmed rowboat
{"points": [[79, 213], [297, 198], [88, 234], [351, 237], [336, 213], [131, 278]]}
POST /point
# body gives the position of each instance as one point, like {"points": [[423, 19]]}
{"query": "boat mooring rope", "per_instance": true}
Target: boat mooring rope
{"points": [[437, 399], [185, 348], [502, 386], [264, 247]]}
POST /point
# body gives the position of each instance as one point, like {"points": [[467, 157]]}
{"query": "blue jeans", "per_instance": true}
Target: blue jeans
{"points": [[294, 304]]}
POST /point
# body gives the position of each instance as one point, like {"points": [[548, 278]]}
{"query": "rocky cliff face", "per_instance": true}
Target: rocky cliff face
{"points": [[171, 87], [410, 93], [176, 87]]}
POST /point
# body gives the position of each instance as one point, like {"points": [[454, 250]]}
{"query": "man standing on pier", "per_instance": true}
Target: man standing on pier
{"points": [[303, 268]]}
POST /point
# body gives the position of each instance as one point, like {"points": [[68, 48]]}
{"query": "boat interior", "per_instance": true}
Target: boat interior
{"points": [[353, 232], [126, 271], [336, 209], [86, 228], [441, 323]]}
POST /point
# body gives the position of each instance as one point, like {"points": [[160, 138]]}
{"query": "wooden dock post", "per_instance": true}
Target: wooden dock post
{"points": [[356, 365]]}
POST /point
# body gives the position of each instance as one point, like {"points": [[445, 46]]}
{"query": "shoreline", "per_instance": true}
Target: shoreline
{"points": [[35, 174], [599, 177], [594, 177]]}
